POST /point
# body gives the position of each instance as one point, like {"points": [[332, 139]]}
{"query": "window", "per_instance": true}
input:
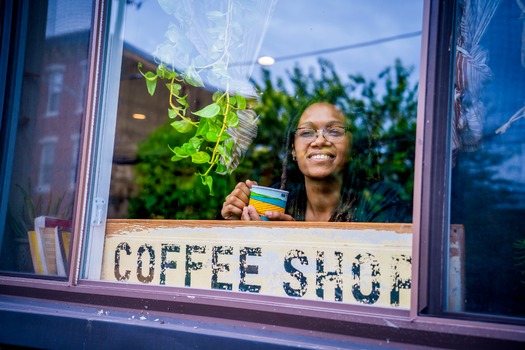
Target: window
{"points": [[75, 141], [147, 184], [47, 161], [139, 188], [55, 87], [123, 226], [488, 163], [461, 173], [38, 155], [82, 69]]}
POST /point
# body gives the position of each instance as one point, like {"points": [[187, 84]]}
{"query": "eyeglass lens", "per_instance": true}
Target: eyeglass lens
{"points": [[330, 134]]}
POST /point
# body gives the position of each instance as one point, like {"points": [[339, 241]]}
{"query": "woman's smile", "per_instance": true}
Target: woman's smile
{"points": [[321, 156]]}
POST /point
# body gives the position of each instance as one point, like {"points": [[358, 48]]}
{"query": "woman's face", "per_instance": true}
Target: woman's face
{"points": [[320, 158]]}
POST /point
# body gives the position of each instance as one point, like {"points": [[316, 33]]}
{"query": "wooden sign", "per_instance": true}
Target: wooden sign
{"points": [[367, 264]]}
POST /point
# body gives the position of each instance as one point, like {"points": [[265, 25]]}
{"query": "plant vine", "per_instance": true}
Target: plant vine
{"points": [[210, 143], [210, 126]]}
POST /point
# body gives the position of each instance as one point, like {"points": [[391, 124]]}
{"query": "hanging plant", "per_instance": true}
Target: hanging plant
{"points": [[210, 143], [199, 52]]}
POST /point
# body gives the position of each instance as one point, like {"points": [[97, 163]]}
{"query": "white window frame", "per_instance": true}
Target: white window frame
{"points": [[75, 147], [55, 86], [80, 94], [104, 137], [46, 162]]}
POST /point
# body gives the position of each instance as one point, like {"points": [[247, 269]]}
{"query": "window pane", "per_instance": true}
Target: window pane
{"points": [[329, 41], [56, 81], [169, 63], [45, 141], [488, 173]]}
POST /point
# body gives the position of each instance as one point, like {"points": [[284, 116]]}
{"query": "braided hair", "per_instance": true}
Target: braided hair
{"points": [[361, 200], [292, 180]]}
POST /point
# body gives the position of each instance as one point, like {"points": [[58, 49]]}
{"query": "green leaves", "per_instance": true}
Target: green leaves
{"points": [[151, 80], [200, 157], [240, 101], [207, 180], [174, 88], [209, 128], [209, 111], [182, 126], [231, 119]]}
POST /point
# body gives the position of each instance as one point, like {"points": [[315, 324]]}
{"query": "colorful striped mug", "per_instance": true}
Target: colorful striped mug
{"points": [[267, 198]]}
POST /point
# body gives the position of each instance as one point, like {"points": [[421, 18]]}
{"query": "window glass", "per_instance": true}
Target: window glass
{"points": [[47, 162], [488, 159], [56, 80], [362, 57], [44, 143], [245, 71]]}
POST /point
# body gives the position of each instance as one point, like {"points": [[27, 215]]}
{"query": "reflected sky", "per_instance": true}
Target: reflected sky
{"points": [[306, 26], [303, 26]]}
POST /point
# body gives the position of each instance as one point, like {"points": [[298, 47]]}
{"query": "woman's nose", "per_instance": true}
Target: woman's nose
{"points": [[319, 138]]}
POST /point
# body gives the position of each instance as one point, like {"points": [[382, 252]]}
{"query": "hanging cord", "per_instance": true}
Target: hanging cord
{"points": [[518, 115]]}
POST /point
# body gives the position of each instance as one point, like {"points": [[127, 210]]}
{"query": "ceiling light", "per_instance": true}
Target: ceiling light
{"points": [[266, 61], [139, 116]]}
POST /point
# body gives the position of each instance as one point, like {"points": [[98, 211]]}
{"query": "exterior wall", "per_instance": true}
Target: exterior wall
{"points": [[51, 313]]}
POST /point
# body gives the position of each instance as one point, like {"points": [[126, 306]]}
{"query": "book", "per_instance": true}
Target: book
{"points": [[62, 249], [50, 245], [37, 253]]}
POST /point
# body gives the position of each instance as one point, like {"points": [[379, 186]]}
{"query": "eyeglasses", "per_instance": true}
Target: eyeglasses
{"points": [[331, 133]]}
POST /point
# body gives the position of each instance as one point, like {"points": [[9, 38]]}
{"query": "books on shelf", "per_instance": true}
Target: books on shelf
{"points": [[50, 245]]}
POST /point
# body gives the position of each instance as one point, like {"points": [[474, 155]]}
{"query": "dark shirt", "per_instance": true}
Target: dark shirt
{"points": [[379, 202]]}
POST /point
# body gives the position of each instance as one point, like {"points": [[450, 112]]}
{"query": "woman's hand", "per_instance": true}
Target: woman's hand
{"points": [[236, 207], [249, 213], [276, 216], [237, 200]]}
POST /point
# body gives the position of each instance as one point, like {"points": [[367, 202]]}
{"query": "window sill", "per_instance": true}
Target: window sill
{"points": [[296, 322]]}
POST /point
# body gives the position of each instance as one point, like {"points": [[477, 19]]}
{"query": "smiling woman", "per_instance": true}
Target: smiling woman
{"points": [[327, 189], [317, 175]]}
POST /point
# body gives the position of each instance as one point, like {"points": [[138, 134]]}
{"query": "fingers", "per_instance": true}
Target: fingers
{"points": [[235, 206], [250, 183], [276, 216], [245, 215], [230, 212], [250, 214], [237, 200], [241, 192]]}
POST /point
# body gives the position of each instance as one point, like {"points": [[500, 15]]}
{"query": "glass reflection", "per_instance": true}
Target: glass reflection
{"points": [[488, 174], [368, 67], [46, 139]]}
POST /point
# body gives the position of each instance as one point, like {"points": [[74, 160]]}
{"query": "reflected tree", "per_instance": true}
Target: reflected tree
{"points": [[381, 114]]}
